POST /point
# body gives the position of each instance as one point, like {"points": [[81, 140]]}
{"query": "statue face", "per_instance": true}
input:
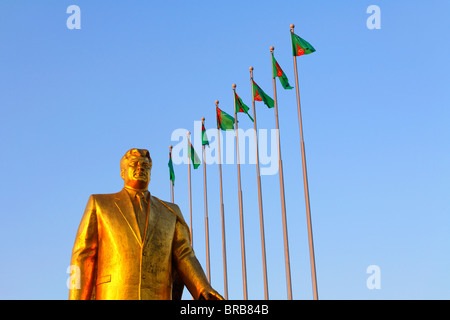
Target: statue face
{"points": [[136, 172]]}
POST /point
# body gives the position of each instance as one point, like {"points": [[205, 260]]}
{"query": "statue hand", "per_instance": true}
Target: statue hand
{"points": [[210, 294]]}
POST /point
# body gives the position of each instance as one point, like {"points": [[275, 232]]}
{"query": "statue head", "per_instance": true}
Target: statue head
{"points": [[135, 168]]}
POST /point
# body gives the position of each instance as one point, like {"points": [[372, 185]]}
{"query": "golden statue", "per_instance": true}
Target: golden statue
{"points": [[132, 245]]}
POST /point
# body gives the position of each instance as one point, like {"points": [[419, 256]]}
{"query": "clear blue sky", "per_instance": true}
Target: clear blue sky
{"points": [[376, 122]]}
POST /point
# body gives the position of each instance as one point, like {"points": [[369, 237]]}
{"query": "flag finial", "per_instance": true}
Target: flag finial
{"points": [[203, 119], [234, 86], [271, 49], [170, 148], [292, 27], [217, 102]]}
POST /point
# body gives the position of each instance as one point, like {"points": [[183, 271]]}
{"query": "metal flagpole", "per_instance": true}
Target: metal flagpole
{"points": [[305, 183], [225, 280], [283, 203], [171, 181], [241, 213], [190, 193], [263, 246], [191, 228], [208, 269]]}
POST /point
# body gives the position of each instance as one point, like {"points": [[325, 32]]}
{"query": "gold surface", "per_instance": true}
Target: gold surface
{"points": [[113, 259]]}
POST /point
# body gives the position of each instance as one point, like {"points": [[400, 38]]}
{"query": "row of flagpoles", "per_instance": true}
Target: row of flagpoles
{"points": [[227, 122]]}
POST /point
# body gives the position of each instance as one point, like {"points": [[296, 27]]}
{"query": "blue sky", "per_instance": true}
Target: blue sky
{"points": [[375, 119]]}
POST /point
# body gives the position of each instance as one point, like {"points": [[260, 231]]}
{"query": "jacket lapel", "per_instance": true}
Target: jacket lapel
{"points": [[125, 207]]}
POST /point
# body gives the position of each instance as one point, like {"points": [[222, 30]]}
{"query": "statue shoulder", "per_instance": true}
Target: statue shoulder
{"points": [[172, 207], [169, 205], [104, 198]]}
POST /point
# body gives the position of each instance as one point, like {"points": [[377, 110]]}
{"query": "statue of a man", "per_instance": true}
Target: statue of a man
{"points": [[132, 245]]}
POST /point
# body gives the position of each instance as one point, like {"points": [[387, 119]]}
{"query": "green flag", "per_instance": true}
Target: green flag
{"points": [[204, 136], [278, 72], [171, 171], [240, 106], [260, 95], [193, 155], [300, 46], [224, 120]]}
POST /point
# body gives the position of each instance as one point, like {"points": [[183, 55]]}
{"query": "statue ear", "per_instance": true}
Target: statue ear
{"points": [[122, 173]]}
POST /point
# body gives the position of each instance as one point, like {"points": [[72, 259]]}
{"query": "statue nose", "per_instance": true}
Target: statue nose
{"points": [[140, 169]]}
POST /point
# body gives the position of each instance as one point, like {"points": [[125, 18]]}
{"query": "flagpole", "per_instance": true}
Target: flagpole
{"points": [[263, 246], [190, 193], [305, 182], [171, 181], [208, 269], [283, 203], [241, 213], [225, 280]]}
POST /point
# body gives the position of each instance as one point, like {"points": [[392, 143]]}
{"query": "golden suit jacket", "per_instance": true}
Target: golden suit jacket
{"points": [[113, 261]]}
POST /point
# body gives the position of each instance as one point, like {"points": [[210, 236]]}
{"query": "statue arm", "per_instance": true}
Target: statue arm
{"points": [[84, 255], [187, 264]]}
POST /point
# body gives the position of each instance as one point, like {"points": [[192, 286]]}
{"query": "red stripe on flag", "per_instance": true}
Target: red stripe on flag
{"points": [[219, 117], [255, 89], [300, 51], [257, 96], [279, 71], [238, 100]]}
